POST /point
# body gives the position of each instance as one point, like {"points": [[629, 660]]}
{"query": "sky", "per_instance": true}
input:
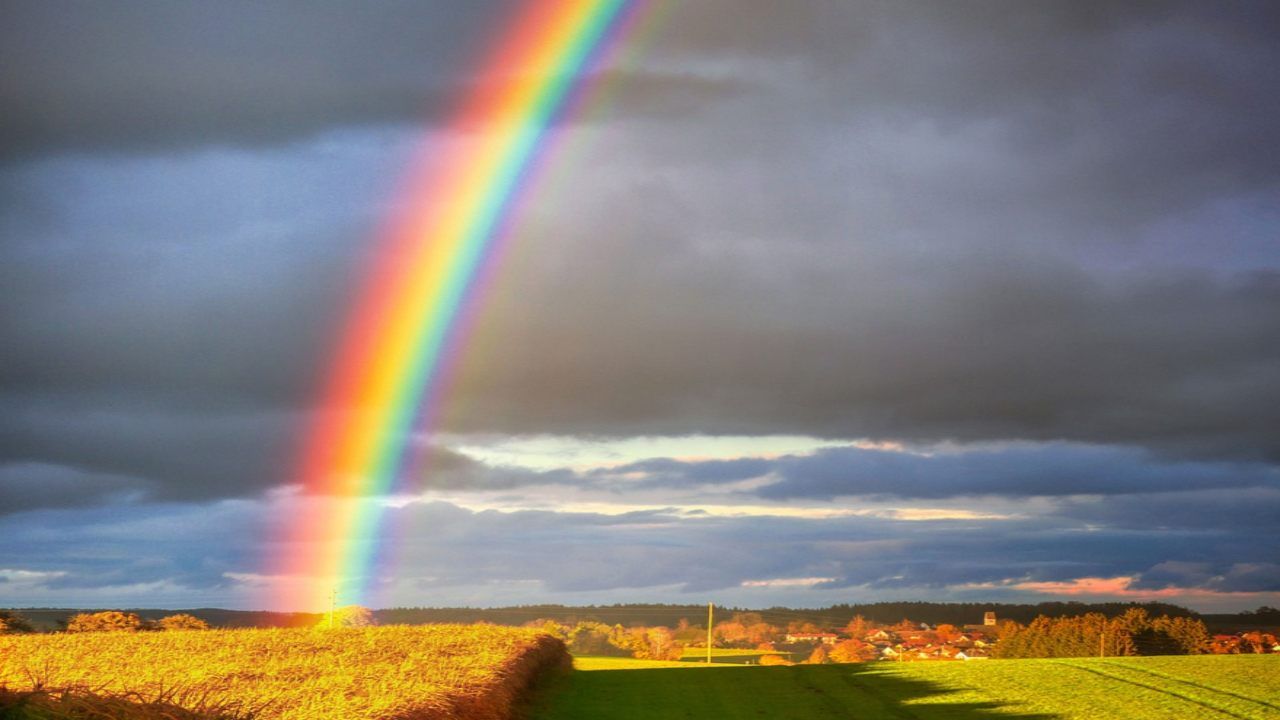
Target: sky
{"points": [[821, 302]]}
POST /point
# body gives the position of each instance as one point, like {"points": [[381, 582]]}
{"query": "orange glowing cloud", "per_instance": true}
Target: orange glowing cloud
{"points": [[1121, 586]]}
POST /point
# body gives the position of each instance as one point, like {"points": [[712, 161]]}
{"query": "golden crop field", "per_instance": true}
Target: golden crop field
{"points": [[471, 672]]}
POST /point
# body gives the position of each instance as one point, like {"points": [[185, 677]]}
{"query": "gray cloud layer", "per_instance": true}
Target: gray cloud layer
{"points": [[1051, 223], [1027, 471], [450, 555], [157, 75]]}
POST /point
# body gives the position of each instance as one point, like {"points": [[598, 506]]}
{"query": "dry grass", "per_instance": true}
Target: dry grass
{"points": [[471, 672], [80, 705]]}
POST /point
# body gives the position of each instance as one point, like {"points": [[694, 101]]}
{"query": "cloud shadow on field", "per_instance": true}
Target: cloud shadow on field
{"points": [[803, 691]]}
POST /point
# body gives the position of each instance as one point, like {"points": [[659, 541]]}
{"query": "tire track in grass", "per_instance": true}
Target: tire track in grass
{"points": [[1202, 686], [1155, 688], [805, 679], [887, 703]]}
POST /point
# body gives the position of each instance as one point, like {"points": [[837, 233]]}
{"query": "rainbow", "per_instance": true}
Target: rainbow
{"points": [[406, 327]]}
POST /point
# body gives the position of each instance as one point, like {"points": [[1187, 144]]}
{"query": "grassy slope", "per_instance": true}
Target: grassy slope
{"points": [[1130, 689]]}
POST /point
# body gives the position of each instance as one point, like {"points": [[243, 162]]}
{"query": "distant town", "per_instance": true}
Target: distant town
{"points": [[1134, 632]]}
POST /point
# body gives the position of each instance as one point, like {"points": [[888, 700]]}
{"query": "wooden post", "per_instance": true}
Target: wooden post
{"points": [[710, 613]]}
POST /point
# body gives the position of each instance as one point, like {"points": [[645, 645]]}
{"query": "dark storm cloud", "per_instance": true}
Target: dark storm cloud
{"points": [[28, 486], [1044, 222], [1186, 365], [150, 75], [1153, 104], [167, 317], [215, 276], [156, 76], [98, 453], [955, 225], [138, 454]]}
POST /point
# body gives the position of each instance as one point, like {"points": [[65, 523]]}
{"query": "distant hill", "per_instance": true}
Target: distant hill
{"points": [[670, 615]]}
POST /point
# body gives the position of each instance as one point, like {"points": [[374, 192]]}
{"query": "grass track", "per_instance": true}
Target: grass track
{"points": [[1243, 681], [1221, 701], [727, 655], [1205, 702], [1242, 687]]}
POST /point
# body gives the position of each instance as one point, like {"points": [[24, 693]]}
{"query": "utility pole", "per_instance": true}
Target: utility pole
{"points": [[333, 602], [710, 613], [1102, 640]]}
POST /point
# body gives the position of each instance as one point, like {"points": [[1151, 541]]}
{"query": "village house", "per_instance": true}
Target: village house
{"points": [[973, 643], [1224, 644], [824, 638], [987, 627]]}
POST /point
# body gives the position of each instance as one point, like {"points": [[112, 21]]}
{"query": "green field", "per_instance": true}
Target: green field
{"points": [[1174, 688]]}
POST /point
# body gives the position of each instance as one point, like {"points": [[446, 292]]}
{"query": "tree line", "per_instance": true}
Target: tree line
{"points": [[886, 613], [1135, 632]]}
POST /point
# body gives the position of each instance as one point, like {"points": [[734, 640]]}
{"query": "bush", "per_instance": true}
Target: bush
{"points": [[774, 660], [851, 651], [350, 616], [109, 621], [181, 621]]}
